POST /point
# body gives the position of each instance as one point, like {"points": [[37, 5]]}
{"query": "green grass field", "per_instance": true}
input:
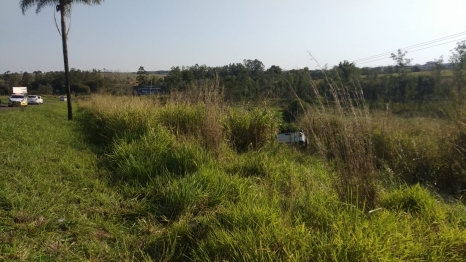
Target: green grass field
{"points": [[140, 182]]}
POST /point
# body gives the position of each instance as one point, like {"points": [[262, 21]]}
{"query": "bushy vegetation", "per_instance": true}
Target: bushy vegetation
{"points": [[190, 176], [155, 193], [429, 151], [247, 130], [136, 186]]}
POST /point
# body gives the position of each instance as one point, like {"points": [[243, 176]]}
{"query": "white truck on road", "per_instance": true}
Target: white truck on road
{"points": [[19, 96], [20, 90]]}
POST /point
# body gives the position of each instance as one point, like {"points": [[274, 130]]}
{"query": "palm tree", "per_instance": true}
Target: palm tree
{"points": [[61, 6]]}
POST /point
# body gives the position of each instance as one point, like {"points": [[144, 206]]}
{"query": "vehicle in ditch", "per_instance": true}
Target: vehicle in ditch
{"points": [[293, 138]]}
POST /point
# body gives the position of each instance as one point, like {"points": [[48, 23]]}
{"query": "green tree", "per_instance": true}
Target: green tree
{"points": [[153, 80], [437, 74], [81, 89], [400, 60], [416, 68], [45, 89], [255, 68], [348, 70], [458, 58], [3, 89], [12, 79], [187, 75], [142, 76], [26, 80], [274, 70], [273, 81], [303, 87], [174, 78], [64, 7]]}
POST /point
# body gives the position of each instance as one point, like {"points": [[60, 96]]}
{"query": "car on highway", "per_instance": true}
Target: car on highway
{"points": [[17, 100], [35, 99]]}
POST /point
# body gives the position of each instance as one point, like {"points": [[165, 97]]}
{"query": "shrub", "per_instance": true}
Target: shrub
{"points": [[201, 122], [154, 153], [294, 110], [414, 200], [252, 164], [253, 129], [106, 118], [453, 157], [198, 193], [430, 152], [414, 157], [344, 142], [182, 119], [289, 127]]}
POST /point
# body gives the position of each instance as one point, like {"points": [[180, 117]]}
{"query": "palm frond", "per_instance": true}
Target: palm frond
{"points": [[26, 4], [87, 2], [42, 3]]}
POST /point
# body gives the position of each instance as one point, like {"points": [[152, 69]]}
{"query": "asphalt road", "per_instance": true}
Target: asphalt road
{"points": [[4, 107]]}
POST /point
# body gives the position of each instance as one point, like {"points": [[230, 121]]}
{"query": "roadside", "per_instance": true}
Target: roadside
{"points": [[3, 101], [4, 107], [52, 193]]}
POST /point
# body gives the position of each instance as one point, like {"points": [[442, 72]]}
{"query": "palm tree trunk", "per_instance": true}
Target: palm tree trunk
{"points": [[65, 57]]}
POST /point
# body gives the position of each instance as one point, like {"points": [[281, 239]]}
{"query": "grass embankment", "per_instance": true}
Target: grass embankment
{"points": [[54, 200], [132, 179]]}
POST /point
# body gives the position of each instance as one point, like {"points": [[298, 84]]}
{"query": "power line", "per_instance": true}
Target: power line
{"points": [[417, 45], [462, 39], [414, 46]]}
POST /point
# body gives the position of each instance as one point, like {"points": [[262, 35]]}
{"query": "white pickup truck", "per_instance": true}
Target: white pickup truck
{"points": [[293, 138]]}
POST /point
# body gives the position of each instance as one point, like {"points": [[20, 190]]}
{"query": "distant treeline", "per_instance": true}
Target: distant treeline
{"points": [[250, 80], [82, 82]]}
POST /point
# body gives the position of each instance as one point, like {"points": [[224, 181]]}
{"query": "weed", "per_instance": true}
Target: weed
{"points": [[250, 130]]}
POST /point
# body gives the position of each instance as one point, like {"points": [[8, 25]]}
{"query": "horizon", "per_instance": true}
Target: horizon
{"points": [[168, 70]]}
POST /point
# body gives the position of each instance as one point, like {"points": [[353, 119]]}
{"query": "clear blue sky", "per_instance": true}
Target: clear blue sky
{"points": [[158, 34]]}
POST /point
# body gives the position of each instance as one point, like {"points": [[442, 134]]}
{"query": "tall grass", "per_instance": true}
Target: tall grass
{"points": [[250, 130], [201, 122], [271, 202], [153, 154], [108, 118], [428, 151], [366, 150], [152, 193], [339, 129]]}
